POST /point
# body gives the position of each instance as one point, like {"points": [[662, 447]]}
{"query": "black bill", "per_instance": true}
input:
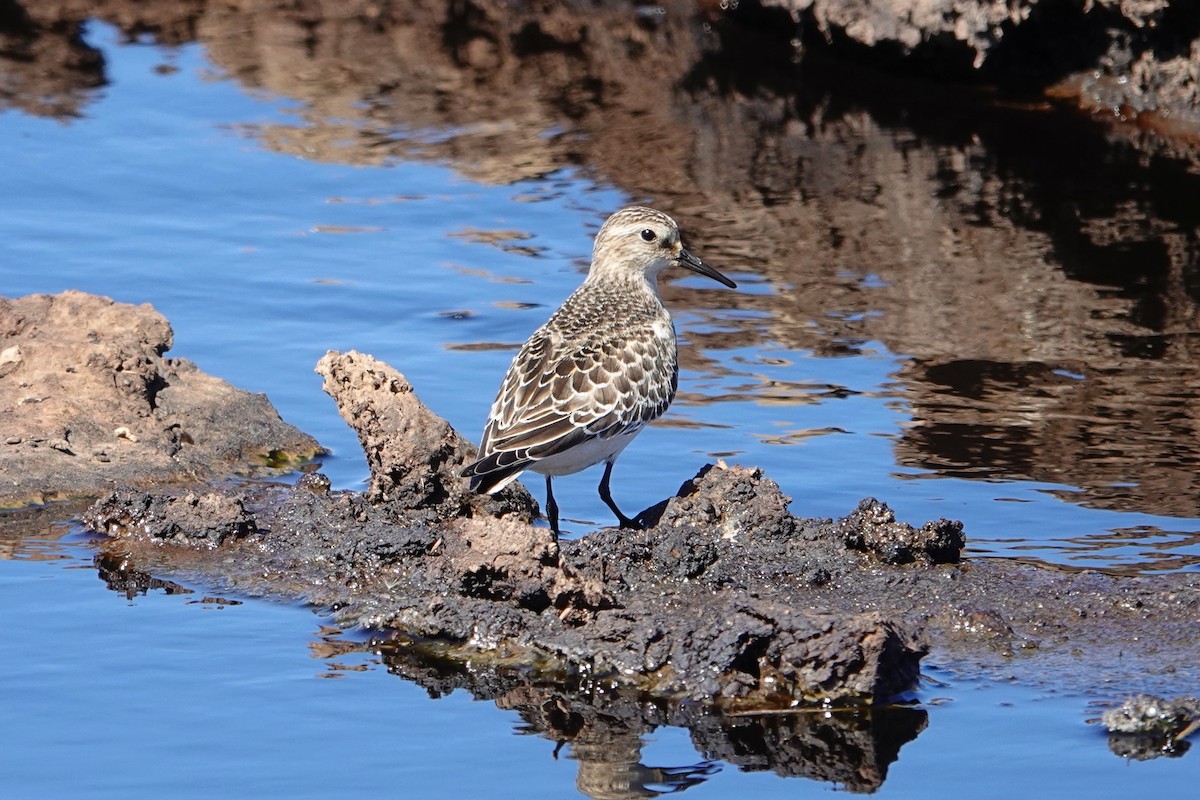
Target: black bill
{"points": [[689, 261]]}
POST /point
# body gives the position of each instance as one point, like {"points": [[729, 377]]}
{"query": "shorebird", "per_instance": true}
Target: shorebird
{"points": [[598, 371]]}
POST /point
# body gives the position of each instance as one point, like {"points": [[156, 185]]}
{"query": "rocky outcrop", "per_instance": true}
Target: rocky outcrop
{"points": [[413, 454], [416, 554], [728, 599], [89, 401]]}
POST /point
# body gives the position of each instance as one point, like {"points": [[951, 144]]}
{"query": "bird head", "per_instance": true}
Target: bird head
{"points": [[640, 240]]}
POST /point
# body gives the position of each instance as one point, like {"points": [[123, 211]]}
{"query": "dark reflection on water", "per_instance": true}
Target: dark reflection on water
{"points": [[1038, 271], [36, 534], [604, 728], [121, 576], [1126, 436]]}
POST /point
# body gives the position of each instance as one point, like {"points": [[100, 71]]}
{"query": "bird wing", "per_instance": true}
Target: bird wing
{"points": [[557, 395]]}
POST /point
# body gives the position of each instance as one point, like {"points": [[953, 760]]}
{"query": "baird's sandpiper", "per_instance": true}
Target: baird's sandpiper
{"points": [[598, 371]]}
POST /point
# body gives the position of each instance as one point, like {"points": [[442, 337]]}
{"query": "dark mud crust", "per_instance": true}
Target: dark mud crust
{"points": [[614, 604], [1146, 726], [728, 600]]}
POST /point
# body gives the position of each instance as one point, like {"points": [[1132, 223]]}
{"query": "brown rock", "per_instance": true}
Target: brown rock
{"points": [[414, 455], [89, 401]]}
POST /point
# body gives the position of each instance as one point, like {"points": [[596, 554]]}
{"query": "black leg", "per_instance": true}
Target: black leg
{"points": [[551, 508], [606, 496]]}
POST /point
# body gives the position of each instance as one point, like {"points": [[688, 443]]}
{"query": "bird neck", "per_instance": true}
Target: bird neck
{"points": [[637, 285], [630, 297]]}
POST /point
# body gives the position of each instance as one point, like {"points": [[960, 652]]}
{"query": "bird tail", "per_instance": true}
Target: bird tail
{"points": [[492, 473]]}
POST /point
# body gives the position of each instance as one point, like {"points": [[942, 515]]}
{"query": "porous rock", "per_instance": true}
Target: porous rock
{"points": [[1146, 713], [88, 401], [873, 528], [414, 455], [206, 519], [719, 501], [1146, 726]]}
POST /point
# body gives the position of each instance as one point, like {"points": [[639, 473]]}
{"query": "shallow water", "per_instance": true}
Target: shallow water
{"points": [[173, 692], [164, 191]]}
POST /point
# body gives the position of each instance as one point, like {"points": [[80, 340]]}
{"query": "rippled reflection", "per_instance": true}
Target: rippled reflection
{"points": [[36, 534], [1126, 436], [1128, 551], [1036, 277]]}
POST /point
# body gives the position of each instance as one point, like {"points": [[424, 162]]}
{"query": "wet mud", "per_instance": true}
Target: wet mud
{"points": [[728, 600]]}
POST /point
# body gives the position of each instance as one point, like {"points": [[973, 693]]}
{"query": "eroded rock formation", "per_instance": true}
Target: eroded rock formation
{"points": [[89, 401], [728, 599]]}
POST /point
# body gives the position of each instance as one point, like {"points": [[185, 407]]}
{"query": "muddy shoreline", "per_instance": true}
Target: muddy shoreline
{"points": [[727, 600], [860, 142], [726, 613]]}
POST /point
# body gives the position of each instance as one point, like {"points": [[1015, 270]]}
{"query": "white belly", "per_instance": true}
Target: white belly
{"points": [[584, 455], [578, 458]]}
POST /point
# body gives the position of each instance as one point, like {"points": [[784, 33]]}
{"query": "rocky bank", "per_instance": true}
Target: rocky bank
{"points": [[725, 612], [726, 599], [89, 401]]}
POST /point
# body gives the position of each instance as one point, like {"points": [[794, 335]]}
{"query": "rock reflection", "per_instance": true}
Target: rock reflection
{"points": [[1041, 275], [35, 534], [604, 728], [850, 748], [46, 68], [607, 749], [121, 575]]}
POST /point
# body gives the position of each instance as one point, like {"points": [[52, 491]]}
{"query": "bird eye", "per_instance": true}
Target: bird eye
{"points": [[648, 235]]}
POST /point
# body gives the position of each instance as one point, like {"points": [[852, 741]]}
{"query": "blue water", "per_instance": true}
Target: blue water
{"points": [[161, 193], [109, 697], [165, 695]]}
